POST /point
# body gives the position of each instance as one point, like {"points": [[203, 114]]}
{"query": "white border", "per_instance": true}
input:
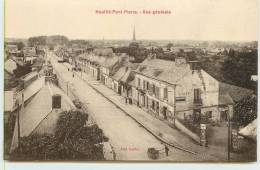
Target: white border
{"points": [[111, 166]]}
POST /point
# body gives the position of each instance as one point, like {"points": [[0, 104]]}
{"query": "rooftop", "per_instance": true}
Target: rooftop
{"points": [[163, 70], [235, 92], [38, 109]]}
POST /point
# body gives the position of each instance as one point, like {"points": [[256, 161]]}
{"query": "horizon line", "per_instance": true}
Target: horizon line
{"points": [[115, 39]]}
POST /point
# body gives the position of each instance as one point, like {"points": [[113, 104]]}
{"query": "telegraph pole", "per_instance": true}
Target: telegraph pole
{"points": [[174, 106], [18, 128], [67, 87], [229, 127], [228, 137]]}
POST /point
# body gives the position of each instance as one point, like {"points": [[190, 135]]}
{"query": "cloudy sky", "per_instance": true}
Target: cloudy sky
{"points": [[189, 19]]}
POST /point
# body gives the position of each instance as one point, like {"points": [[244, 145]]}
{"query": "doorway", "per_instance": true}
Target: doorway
{"points": [[164, 112]]}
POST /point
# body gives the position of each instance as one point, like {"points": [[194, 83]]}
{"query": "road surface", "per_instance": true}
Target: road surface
{"points": [[130, 141]]}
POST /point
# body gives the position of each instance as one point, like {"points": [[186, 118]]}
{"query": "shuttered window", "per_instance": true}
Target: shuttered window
{"points": [[165, 93], [197, 96], [153, 89], [157, 92], [138, 82]]}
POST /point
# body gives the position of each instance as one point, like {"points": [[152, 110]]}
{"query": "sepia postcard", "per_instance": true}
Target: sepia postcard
{"points": [[130, 81]]}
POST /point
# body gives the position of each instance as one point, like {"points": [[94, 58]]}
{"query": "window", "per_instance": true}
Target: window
{"points": [[197, 96], [157, 92], [153, 89], [209, 114], [153, 105], [165, 93], [144, 84], [138, 82], [147, 85]]}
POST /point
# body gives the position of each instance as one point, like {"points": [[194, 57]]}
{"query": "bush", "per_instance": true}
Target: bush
{"points": [[71, 141], [245, 111]]}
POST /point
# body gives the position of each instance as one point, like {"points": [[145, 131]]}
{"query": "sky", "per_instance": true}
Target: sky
{"points": [[227, 20]]}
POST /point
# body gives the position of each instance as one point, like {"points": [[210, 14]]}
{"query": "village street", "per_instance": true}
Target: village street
{"points": [[130, 141]]}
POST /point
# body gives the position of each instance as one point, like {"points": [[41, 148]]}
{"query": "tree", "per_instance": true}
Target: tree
{"points": [[20, 45], [35, 41], [245, 111], [169, 46], [22, 70], [238, 69], [57, 40], [72, 140]]}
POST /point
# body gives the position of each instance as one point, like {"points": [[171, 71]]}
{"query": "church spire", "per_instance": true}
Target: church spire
{"points": [[134, 34]]}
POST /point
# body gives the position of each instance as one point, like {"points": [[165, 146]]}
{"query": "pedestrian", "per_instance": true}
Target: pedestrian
{"points": [[72, 74], [166, 150], [68, 69]]}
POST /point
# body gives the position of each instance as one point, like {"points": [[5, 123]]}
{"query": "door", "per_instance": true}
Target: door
{"points": [[119, 89], [196, 115], [164, 112], [223, 115]]}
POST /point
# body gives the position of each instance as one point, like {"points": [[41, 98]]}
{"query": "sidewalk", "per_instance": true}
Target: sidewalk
{"points": [[156, 127]]}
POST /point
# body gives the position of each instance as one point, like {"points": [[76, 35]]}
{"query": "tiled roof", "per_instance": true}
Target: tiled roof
{"points": [[103, 51], [110, 61], [120, 73], [37, 109], [235, 92], [124, 70], [225, 99], [128, 76], [163, 70]]}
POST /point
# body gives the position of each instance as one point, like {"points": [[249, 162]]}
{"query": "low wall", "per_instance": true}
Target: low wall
{"points": [[185, 130]]}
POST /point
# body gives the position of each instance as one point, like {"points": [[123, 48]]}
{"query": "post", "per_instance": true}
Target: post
{"points": [[228, 137], [67, 88], [18, 127], [174, 106], [229, 126]]}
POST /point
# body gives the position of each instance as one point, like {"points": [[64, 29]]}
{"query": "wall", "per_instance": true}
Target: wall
{"points": [[9, 100], [197, 80]]}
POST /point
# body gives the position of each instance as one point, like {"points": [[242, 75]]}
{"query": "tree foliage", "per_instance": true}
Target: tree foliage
{"points": [[22, 70], [39, 40], [169, 46], [72, 140], [245, 111], [239, 67], [48, 40]]}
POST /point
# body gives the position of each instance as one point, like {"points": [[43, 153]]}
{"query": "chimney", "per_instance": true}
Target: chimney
{"points": [[56, 101]]}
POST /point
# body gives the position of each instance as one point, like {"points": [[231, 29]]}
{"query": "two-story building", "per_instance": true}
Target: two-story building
{"points": [[177, 89]]}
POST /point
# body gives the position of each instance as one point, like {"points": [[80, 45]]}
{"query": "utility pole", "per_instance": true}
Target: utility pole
{"points": [[229, 127], [67, 88], [18, 127], [228, 137], [174, 106]]}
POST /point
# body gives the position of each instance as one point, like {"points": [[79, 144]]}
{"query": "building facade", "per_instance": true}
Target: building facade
{"points": [[179, 89]]}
